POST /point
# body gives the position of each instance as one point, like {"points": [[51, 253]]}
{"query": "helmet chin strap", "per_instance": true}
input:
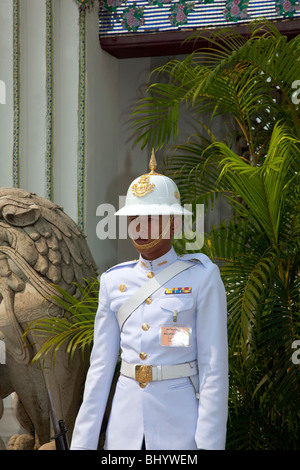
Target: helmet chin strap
{"points": [[146, 246]]}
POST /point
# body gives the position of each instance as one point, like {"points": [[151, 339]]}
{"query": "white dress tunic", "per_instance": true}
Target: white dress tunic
{"points": [[165, 413]]}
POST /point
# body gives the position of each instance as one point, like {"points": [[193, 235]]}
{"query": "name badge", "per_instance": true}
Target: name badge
{"points": [[178, 336]]}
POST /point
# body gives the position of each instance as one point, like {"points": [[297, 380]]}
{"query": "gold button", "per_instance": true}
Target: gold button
{"points": [[148, 301], [143, 355], [150, 274], [143, 384], [145, 326], [122, 288]]}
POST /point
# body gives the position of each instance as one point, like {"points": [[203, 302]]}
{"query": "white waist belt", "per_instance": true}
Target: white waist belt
{"points": [[148, 373]]}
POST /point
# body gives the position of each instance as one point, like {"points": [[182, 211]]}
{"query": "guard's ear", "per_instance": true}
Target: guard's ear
{"points": [[21, 215]]}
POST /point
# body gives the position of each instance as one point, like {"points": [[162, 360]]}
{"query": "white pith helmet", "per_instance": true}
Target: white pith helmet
{"points": [[153, 194]]}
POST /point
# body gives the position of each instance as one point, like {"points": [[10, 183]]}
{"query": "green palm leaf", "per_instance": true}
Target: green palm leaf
{"points": [[75, 329], [243, 77], [267, 201]]}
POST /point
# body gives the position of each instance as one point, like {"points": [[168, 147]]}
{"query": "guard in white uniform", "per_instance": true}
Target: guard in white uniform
{"points": [[168, 316]]}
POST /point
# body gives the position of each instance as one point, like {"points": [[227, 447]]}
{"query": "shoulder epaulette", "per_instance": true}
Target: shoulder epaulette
{"points": [[122, 265], [197, 258]]}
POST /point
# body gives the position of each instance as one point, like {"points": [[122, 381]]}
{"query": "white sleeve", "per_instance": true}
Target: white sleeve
{"points": [[99, 377], [212, 354]]}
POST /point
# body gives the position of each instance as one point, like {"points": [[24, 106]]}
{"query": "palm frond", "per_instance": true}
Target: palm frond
{"points": [[75, 329], [232, 75], [194, 166], [280, 326], [267, 202]]}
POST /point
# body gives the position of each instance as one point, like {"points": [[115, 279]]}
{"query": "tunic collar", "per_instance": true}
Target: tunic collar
{"points": [[158, 263]]}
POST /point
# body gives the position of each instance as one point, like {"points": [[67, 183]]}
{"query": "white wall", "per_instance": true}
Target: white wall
{"points": [[6, 110], [102, 143], [32, 96], [112, 89], [65, 91], [112, 159], [132, 160]]}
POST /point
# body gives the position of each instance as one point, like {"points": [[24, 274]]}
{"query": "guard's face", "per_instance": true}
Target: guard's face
{"points": [[144, 228], [151, 234]]}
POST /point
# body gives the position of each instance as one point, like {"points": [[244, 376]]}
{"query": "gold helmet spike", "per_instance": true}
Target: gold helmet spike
{"points": [[153, 164]]}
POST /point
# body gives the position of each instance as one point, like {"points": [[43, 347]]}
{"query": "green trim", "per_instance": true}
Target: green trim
{"points": [[16, 94], [49, 97], [81, 120]]}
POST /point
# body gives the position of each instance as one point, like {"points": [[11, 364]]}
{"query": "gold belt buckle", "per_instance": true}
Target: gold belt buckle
{"points": [[143, 373]]}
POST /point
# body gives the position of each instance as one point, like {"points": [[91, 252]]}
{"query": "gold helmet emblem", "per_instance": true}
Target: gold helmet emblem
{"points": [[143, 187]]}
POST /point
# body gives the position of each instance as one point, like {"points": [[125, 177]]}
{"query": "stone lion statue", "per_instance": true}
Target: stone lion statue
{"points": [[39, 246]]}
